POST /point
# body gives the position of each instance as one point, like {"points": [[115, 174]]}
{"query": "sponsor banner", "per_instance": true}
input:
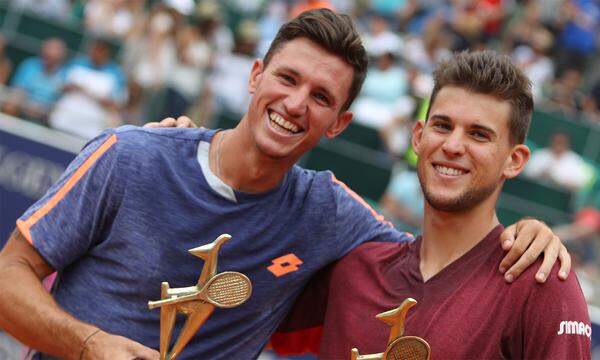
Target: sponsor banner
{"points": [[32, 158]]}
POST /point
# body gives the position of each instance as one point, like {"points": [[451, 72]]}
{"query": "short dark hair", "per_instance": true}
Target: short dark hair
{"points": [[335, 33], [489, 73]]}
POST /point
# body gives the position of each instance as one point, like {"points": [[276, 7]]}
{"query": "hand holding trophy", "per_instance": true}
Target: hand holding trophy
{"points": [[399, 347], [224, 290]]}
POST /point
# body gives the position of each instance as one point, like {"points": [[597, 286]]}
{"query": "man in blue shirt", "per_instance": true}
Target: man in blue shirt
{"points": [[126, 210], [38, 82]]}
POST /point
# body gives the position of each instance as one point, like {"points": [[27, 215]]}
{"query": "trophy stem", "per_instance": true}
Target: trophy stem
{"points": [[167, 320], [191, 326]]}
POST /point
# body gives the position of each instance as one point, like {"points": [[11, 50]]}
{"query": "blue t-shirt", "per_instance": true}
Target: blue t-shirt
{"points": [[124, 214], [40, 86]]}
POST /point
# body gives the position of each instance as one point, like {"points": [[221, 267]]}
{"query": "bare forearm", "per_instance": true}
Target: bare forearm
{"points": [[30, 314]]}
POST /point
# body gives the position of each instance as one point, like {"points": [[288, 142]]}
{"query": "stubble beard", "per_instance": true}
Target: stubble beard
{"points": [[468, 199]]}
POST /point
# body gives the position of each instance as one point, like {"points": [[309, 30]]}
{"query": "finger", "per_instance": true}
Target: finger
{"points": [[152, 125], [185, 122], [142, 352], [507, 237], [565, 263], [168, 122], [528, 257], [550, 256], [522, 238]]}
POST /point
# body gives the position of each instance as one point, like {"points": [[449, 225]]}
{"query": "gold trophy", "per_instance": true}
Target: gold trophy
{"points": [[399, 347], [224, 290]]}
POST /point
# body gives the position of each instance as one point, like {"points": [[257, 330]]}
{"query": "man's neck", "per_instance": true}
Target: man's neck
{"points": [[449, 235], [236, 160]]}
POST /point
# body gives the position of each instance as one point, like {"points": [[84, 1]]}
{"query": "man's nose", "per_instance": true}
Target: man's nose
{"points": [[296, 102], [454, 145]]}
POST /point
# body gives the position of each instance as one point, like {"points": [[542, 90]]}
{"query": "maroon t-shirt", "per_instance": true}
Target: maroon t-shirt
{"points": [[465, 311]]}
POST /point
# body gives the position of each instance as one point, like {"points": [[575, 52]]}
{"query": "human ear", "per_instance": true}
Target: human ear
{"points": [[517, 160], [417, 134], [340, 124], [255, 74]]}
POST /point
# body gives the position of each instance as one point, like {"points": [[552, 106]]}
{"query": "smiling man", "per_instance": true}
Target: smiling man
{"points": [[122, 217], [470, 144]]}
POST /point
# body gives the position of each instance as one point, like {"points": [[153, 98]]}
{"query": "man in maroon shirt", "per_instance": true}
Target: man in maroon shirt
{"points": [[471, 142]]}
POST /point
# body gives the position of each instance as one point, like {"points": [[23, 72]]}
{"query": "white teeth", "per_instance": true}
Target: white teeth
{"points": [[277, 119], [449, 171]]}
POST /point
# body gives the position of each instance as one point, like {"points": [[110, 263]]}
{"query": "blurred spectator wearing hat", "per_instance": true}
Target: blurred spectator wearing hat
{"points": [[532, 58], [559, 164], [95, 88], [186, 79], [150, 53], [38, 82], [227, 88], [117, 18]]}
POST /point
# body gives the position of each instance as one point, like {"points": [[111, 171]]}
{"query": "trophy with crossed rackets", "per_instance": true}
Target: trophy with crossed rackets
{"points": [[223, 290], [399, 347]]}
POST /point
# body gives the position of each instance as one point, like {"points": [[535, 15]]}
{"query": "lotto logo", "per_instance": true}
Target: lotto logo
{"points": [[284, 265], [574, 328]]}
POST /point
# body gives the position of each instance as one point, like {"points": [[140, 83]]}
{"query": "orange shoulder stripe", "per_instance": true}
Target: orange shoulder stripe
{"points": [[25, 226], [357, 197]]}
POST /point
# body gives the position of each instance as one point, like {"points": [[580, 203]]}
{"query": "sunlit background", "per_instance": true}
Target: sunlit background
{"points": [[69, 69]]}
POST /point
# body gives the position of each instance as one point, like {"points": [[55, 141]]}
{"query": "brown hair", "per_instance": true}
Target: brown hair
{"points": [[489, 73], [334, 32]]}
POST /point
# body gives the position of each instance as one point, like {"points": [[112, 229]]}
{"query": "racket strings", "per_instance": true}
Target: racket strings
{"points": [[408, 348], [229, 289]]}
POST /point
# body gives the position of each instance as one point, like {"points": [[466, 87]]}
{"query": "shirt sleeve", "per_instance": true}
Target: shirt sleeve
{"points": [[357, 222], [301, 330], [556, 323], [68, 219]]}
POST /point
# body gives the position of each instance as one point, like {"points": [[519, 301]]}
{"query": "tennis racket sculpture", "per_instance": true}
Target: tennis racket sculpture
{"points": [[224, 290], [399, 347]]}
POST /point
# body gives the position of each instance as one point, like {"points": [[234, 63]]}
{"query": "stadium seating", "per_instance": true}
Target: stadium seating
{"points": [[364, 170]]}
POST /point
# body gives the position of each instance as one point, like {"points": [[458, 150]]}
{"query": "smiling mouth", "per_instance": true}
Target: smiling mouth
{"points": [[283, 126], [449, 171]]}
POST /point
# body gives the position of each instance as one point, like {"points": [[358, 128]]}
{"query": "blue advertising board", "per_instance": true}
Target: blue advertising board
{"points": [[32, 158]]}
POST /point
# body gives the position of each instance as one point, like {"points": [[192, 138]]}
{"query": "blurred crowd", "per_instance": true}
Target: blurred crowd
{"points": [[194, 57]]}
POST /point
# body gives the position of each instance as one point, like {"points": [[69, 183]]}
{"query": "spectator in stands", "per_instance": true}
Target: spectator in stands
{"points": [[268, 24], [532, 59], [403, 202], [384, 95], [227, 85], [58, 9], [579, 35], [186, 79], [381, 38], [209, 15], [95, 89], [559, 164], [425, 51], [38, 82], [5, 63], [565, 94], [116, 18], [591, 104], [151, 52]]}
